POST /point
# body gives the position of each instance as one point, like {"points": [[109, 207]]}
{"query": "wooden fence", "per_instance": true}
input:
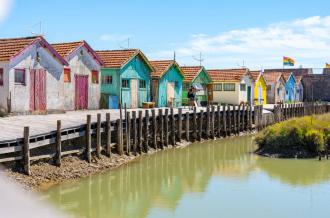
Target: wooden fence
{"points": [[155, 129]]}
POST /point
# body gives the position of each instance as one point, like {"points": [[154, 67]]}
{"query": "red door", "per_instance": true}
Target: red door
{"points": [[37, 90], [81, 92]]}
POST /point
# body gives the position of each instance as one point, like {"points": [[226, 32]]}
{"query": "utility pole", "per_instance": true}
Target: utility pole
{"points": [[200, 59]]}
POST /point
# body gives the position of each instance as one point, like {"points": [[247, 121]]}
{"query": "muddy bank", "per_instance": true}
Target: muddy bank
{"points": [[286, 153]]}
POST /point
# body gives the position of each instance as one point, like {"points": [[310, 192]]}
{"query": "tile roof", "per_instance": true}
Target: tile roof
{"points": [[272, 77], [117, 58], [66, 48], [255, 75], [190, 72], [286, 75], [161, 67], [227, 74], [10, 47], [295, 71]]}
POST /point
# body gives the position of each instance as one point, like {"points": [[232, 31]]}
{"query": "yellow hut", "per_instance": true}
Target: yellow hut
{"points": [[260, 88]]}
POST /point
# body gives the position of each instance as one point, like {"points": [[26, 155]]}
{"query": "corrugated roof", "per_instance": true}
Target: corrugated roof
{"points": [[234, 75], [117, 58], [190, 72]]}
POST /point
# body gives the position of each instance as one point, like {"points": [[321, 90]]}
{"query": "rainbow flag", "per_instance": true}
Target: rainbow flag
{"points": [[288, 61]]}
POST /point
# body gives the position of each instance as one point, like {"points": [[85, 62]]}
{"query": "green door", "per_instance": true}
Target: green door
{"points": [[249, 94]]}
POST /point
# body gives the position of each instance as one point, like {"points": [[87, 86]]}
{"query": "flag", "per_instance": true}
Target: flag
{"points": [[288, 61], [327, 65]]}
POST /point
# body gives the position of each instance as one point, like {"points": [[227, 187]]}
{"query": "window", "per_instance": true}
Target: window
{"points": [[229, 87], [95, 76], [1, 77], [185, 86], [269, 87], [125, 83], [143, 84], [176, 84], [243, 87], [20, 76], [217, 87], [107, 80], [67, 75]]}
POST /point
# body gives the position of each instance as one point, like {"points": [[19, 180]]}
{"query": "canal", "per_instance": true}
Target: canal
{"points": [[211, 179]]}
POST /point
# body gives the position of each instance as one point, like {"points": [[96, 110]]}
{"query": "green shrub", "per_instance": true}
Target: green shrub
{"points": [[315, 141]]}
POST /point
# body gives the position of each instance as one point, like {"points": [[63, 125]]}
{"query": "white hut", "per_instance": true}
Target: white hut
{"points": [[31, 76], [82, 88]]}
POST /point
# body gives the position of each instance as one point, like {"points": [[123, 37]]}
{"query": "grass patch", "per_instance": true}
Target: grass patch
{"points": [[299, 137]]}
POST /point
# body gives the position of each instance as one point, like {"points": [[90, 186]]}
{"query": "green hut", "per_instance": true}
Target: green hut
{"points": [[166, 85], [197, 77], [125, 78]]}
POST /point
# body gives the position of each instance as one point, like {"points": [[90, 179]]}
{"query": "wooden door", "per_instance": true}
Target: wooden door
{"points": [[210, 93], [81, 92], [170, 94], [37, 90], [134, 93]]}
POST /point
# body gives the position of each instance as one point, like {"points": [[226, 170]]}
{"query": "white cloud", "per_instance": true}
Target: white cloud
{"points": [[114, 37], [307, 40], [5, 7]]}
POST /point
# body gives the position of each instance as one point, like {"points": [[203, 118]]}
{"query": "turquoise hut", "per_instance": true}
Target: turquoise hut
{"points": [[290, 87], [166, 85], [125, 78]]}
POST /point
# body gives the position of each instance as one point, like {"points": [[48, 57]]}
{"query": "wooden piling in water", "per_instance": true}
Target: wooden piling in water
{"points": [[166, 124], [108, 135], [161, 128], [134, 131], [154, 128], [187, 128], [146, 131], [88, 139], [179, 124], [98, 136], [140, 135], [224, 120], [173, 129], [243, 117], [234, 120], [119, 137], [212, 122], [219, 121], [239, 119], [200, 132], [207, 130], [229, 119], [250, 117], [128, 131], [58, 144], [26, 151], [194, 125]]}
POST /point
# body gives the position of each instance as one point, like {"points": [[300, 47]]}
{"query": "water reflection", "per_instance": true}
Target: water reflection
{"points": [[161, 180]]}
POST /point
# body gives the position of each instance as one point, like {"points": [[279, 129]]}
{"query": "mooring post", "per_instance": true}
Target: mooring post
{"points": [[58, 143], [108, 135], [235, 120], [172, 127], [218, 121], [239, 119], [140, 132], [179, 124], [128, 131], [250, 117], [229, 116], [243, 117], [207, 131], [26, 151], [194, 124], [146, 131], [88, 139], [187, 128], [200, 132], [224, 120], [119, 138], [212, 122], [98, 136], [154, 128], [134, 130], [161, 128], [166, 127]]}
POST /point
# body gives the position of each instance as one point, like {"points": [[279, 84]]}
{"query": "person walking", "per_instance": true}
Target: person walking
{"points": [[191, 97]]}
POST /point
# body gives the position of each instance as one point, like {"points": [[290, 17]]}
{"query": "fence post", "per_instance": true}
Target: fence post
{"points": [[146, 131], [212, 122], [161, 128], [172, 127], [194, 125], [229, 119], [58, 144], [128, 132], [98, 136], [26, 151], [88, 139], [207, 135], [200, 125], [108, 135], [166, 127], [134, 129], [219, 121], [140, 132], [179, 124], [224, 120], [154, 128], [187, 128], [119, 137]]}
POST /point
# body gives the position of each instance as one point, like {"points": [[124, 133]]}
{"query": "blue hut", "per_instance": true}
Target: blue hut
{"points": [[166, 85], [290, 87], [125, 78]]}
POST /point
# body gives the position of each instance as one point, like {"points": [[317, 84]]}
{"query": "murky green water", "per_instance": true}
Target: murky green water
{"points": [[213, 179]]}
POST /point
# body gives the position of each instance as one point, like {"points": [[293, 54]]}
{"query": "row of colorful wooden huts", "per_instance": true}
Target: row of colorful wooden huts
{"points": [[38, 76]]}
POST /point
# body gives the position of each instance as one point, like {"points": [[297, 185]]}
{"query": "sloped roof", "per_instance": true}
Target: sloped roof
{"points": [[66, 48], [234, 75], [287, 75], [295, 71], [12, 47], [255, 75], [191, 72], [273, 77], [119, 58], [161, 67]]}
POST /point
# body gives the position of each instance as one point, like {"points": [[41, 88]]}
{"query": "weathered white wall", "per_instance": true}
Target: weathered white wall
{"points": [[4, 89], [243, 96], [20, 94], [228, 97], [82, 64]]}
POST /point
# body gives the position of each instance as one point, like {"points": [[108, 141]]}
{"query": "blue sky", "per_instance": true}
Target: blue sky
{"points": [[226, 32]]}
